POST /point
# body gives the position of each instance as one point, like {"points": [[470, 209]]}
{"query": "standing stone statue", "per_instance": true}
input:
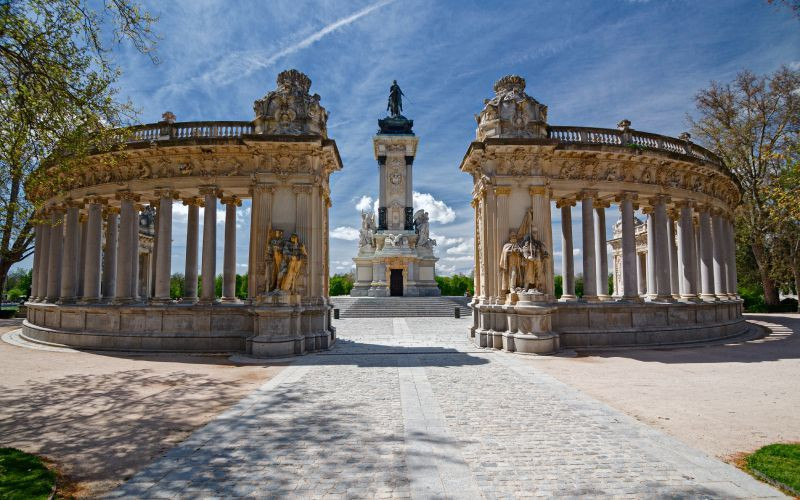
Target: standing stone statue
{"points": [[535, 255], [275, 253], [421, 226], [366, 236], [510, 264], [295, 254], [395, 105]]}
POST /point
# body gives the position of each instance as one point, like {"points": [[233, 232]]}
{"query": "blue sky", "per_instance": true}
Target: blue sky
{"points": [[592, 63]]}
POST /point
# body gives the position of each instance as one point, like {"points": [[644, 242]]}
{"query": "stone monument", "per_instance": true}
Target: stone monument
{"points": [[395, 256]]}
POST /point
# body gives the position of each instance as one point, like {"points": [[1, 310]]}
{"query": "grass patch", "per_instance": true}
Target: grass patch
{"points": [[24, 476], [779, 462]]}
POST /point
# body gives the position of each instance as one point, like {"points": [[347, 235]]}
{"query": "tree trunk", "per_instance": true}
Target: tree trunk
{"points": [[770, 290]]}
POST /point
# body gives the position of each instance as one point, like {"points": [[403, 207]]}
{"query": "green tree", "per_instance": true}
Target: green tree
{"points": [[455, 285], [340, 284], [241, 286], [58, 100], [176, 283], [752, 123], [558, 285]]}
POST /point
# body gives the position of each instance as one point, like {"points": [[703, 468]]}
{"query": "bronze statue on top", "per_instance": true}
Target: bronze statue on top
{"points": [[395, 105], [395, 123]]}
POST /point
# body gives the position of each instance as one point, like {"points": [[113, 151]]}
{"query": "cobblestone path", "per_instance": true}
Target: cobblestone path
{"points": [[405, 407]]}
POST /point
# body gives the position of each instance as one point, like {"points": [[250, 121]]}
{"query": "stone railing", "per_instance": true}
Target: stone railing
{"points": [[633, 139], [186, 130]]}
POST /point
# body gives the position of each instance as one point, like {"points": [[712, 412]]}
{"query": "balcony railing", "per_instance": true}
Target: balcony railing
{"points": [[187, 130], [633, 139]]}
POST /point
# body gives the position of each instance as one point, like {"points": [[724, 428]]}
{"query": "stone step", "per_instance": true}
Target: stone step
{"points": [[388, 307]]}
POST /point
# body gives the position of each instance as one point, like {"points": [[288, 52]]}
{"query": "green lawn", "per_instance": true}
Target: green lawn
{"points": [[780, 462], [24, 476]]}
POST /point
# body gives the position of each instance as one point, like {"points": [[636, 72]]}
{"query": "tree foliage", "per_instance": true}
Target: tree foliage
{"points": [[456, 284], [752, 124], [340, 284], [58, 100]]}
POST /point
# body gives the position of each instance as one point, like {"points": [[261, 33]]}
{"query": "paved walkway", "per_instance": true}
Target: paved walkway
{"points": [[405, 407]]}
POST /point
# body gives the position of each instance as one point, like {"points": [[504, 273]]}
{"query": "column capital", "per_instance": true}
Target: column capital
{"points": [[110, 210], [194, 201], [586, 193], [647, 210], [704, 207], [502, 190], [83, 218], [684, 203], [231, 200], [209, 191], [626, 196], [138, 207], [262, 187], [70, 203], [538, 190], [93, 199], [302, 188], [166, 193], [565, 202], [673, 213], [127, 194], [474, 202], [602, 203], [659, 198]]}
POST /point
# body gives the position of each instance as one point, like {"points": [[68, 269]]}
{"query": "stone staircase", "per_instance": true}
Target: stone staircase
{"points": [[399, 307]]}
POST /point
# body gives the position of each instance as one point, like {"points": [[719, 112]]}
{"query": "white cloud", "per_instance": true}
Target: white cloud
{"points": [[576, 251], [446, 241], [462, 258], [463, 248], [345, 233], [437, 209], [364, 203]]}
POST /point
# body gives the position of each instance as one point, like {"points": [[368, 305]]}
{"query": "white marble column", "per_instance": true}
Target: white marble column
{"points": [[153, 276], [127, 219], [229, 252], [162, 250], [494, 245], [134, 269], [94, 250], [660, 221], [642, 275], [720, 272], [650, 258], [69, 262], [192, 239], [109, 280], [567, 257], [543, 222], [209, 243], [38, 259], [730, 266], [589, 256], [601, 250], [686, 255], [84, 223], [673, 255], [302, 193], [55, 253], [502, 225], [630, 285], [706, 242]]}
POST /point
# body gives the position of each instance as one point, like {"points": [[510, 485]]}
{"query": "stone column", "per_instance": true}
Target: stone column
{"points": [[642, 274], [209, 243], [38, 254], [55, 253], [260, 227], [476, 271], [192, 236], [84, 228], [94, 250], [155, 207], [69, 263], [651, 253], [720, 272], [629, 258], [229, 252], [542, 220], [125, 256], [303, 228], [110, 255], [686, 256], [589, 257], [44, 261], [162, 249], [733, 282], [494, 246], [502, 224], [567, 257], [706, 242], [601, 249], [134, 269], [663, 285], [673, 255]]}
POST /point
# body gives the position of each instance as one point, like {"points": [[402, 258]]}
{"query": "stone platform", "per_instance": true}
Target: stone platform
{"points": [[399, 307]]}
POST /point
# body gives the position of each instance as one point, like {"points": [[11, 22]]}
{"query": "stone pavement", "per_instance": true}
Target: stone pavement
{"points": [[405, 407]]}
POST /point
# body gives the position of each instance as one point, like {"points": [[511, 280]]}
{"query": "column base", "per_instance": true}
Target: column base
{"points": [[568, 298], [663, 299], [590, 298], [708, 297], [67, 300], [689, 298], [89, 300], [231, 300], [634, 299], [207, 302]]}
